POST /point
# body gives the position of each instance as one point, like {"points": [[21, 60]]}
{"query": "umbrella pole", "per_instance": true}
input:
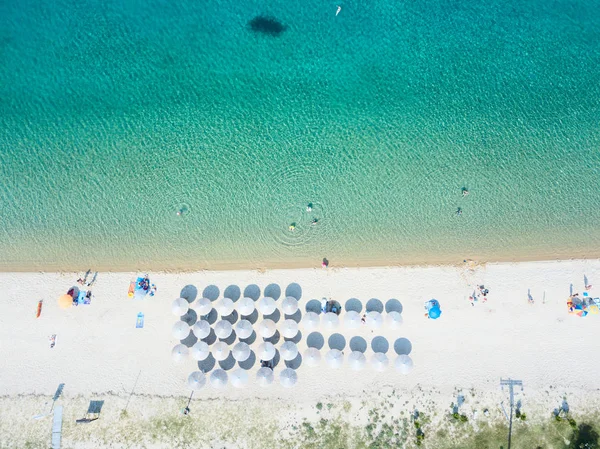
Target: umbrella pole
{"points": [[186, 410]]}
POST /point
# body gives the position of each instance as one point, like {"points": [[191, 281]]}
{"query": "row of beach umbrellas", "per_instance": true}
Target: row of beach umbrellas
{"points": [[289, 351], [225, 306], [267, 305], [239, 377]]}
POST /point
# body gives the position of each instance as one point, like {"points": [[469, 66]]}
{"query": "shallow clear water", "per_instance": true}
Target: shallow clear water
{"points": [[116, 114]]}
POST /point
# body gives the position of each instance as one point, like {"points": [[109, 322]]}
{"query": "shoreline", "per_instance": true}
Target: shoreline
{"points": [[193, 267]]}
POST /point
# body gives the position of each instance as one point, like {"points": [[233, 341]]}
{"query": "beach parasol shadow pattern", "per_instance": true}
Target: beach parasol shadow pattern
{"points": [[227, 335]]}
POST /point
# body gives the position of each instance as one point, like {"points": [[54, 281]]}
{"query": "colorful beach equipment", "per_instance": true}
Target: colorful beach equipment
{"points": [[65, 301]]}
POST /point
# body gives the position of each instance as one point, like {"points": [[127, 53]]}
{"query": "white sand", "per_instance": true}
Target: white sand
{"points": [[99, 350]]}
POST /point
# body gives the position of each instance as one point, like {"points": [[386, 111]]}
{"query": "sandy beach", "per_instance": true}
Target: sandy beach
{"points": [[99, 355]]}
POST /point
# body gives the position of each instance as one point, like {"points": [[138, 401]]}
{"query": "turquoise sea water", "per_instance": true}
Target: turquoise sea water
{"points": [[116, 114]]}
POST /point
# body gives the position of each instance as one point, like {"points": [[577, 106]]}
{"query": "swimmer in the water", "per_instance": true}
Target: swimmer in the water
{"points": [[292, 227], [314, 221], [459, 211], [465, 192], [309, 207]]}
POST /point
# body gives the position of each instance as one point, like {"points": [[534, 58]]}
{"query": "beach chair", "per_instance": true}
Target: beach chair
{"points": [[93, 412]]}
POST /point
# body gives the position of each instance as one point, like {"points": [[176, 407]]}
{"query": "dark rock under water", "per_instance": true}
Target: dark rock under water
{"points": [[267, 25]]}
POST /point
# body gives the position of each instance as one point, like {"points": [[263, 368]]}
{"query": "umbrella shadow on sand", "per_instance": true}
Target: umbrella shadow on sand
{"points": [[251, 339], [358, 344], [393, 305], [190, 317], [249, 362], [374, 305], [296, 316], [353, 304], [252, 291], [403, 346], [228, 363], [211, 292], [380, 344], [273, 291], [275, 316], [295, 363], [207, 364], [336, 341], [232, 292], [315, 340], [314, 305], [189, 293], [294, 290], [296, 339]]}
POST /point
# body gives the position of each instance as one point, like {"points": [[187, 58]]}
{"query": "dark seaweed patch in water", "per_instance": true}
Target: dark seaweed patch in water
{"points": [[267, 25]]}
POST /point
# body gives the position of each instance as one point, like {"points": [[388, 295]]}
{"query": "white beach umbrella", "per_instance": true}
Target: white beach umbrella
{"points": [[218, 378], [223, 329], [239, 378], [264, 376], [224, 306], [201, 329], [244, 329], [288, 350], [179, 353], [289, 329], [394, 320], [180, 330], [196, 380], [220, 351], [374, 320], [334, 358], [180, 307], [311, 320], [241, 351], [288, 377], [357, 360], [352, 319], [379, 361], [245, 306], [289, 305], [312, 357], [203, 306], [200, 351], [331, 320], [266, 305], [265, 351], [267, 328], [404, 364]]}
